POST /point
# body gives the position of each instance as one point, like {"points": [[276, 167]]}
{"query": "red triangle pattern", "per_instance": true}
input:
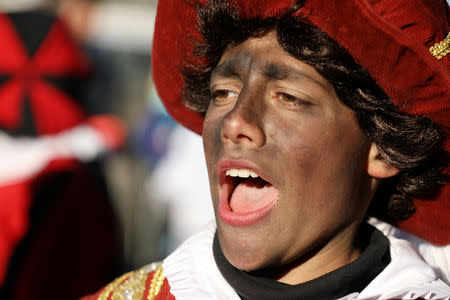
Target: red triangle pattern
{"points": [[58, 55]]}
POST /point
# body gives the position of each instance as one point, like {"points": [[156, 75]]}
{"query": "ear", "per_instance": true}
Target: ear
{"points": [[377, 167]]}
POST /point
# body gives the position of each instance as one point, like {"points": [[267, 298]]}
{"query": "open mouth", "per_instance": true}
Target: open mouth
{"points": [[248, 191], [245, 197]]}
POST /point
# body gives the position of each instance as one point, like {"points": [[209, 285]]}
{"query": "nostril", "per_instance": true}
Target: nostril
{"points": [[245, 133], [242, 125], [242, 136]]}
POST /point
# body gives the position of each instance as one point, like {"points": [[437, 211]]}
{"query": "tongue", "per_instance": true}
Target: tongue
{"points": [[251, 195]]}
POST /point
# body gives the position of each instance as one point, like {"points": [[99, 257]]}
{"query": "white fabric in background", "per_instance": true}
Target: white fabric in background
{"points": [[20, 5], [23, 157], [179, 185]]}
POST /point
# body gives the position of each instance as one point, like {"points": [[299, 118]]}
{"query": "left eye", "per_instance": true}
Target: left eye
{"points": [[223, 94], [223, 97], [289, 98]]}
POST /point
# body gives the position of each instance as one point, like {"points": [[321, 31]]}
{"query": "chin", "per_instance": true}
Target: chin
{"points": [[246, 256], [242, 263]]}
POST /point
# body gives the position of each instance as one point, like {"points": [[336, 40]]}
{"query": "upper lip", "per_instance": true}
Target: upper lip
{"points": [[226, 163]]}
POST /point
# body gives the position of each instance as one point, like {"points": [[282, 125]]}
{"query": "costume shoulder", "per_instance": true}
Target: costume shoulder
{"points": [[146, 283]]}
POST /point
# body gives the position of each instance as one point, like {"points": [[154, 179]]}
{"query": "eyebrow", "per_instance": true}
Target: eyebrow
{"points": [[232, 67], [282, 72], [279, 72], [235, 66]]}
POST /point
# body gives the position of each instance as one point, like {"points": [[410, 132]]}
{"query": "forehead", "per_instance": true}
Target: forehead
{"points": [[265, 56]]}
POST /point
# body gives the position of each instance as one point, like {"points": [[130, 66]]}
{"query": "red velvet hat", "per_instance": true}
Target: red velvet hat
{"points": [[403, 44]]}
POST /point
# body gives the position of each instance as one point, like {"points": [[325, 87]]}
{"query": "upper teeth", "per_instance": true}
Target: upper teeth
{"points": [[240, 173]]}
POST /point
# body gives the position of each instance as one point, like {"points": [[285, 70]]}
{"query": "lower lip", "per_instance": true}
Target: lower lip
{"points": [[240, 219]]}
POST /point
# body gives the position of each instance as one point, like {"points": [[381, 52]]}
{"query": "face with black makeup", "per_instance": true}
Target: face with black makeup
{"points": [[291, 173]]}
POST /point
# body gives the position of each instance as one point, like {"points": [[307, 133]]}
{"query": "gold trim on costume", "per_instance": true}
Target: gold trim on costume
{"points": [[156, 283], [112, 286], [131, 286], [439, 50]]}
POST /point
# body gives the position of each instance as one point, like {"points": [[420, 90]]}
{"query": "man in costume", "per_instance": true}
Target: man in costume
{"points": [[54, 204], [315, 115]]}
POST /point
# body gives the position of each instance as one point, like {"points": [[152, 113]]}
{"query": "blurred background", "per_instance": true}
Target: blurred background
{"points": [[95, 178]]}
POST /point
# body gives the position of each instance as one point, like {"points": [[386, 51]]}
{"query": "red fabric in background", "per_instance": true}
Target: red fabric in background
{"points": [[14, 204], [431, 220], [57, 56], [59, 238], [73, 244]]}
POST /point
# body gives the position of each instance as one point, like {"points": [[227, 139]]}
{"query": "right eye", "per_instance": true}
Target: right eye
{"points": [[223, 96]]}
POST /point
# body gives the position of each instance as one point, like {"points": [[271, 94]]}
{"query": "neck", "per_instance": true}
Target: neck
{"points": [[325, 258], [353, 277]]}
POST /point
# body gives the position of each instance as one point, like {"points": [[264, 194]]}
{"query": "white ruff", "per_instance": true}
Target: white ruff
{"points": [[193, 274]]}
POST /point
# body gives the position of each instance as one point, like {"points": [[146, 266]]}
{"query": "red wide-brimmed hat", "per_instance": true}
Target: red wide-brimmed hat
{"points": [[403, 44]]}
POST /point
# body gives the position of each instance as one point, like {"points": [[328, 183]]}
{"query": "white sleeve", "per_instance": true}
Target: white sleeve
{"points": [[23, 157]]}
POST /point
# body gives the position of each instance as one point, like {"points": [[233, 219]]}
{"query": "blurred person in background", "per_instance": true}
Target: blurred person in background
{"points": [[117, 37], [55, 212]]}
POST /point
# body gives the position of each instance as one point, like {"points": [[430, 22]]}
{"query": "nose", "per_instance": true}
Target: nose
{"points": [[244, 123]]}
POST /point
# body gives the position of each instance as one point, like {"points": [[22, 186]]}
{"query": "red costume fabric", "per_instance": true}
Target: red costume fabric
{"points": [[145, 283]]}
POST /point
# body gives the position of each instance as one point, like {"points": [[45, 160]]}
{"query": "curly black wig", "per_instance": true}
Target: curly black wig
{"points": [[412, 143]]}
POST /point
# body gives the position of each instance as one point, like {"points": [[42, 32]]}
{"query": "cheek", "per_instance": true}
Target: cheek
{"points": [[212, 146], [298, 144], [211, 136], [322, 158]]}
